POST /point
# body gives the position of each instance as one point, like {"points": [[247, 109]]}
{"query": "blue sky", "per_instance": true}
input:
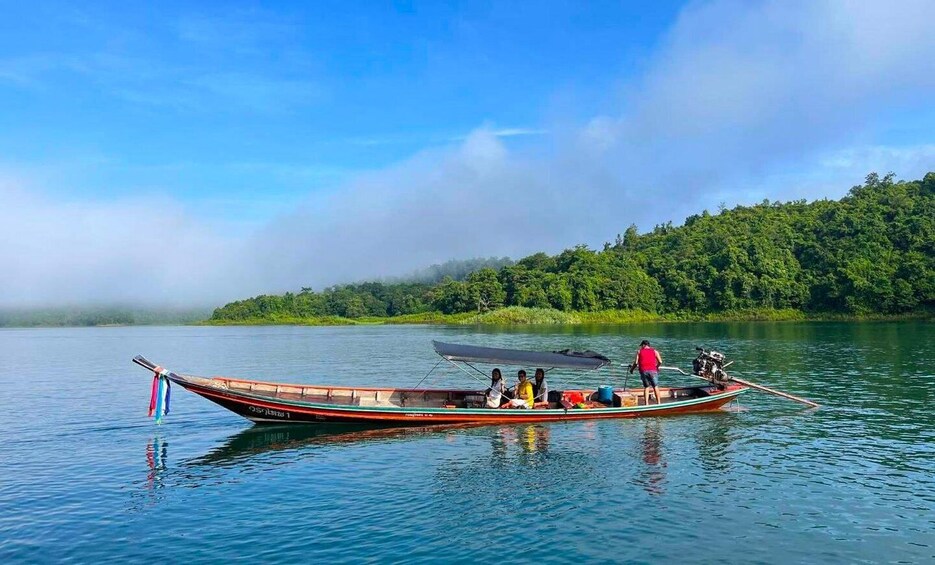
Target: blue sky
{"points": [[264, 147], [215, 103]]}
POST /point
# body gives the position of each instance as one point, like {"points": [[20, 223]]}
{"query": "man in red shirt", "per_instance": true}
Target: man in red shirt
{"points": [[648, 360]]}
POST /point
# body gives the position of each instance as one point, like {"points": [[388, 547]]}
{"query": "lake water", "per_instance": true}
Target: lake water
{"points": [[85, 476]]}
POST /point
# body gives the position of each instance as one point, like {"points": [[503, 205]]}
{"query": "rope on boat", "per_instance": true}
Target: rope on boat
{"points": [[504, 393]]}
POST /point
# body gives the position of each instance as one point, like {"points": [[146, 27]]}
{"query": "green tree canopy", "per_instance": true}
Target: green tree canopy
{"points": [[873, 251]]}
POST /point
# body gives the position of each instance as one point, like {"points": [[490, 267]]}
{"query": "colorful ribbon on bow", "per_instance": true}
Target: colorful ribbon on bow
{"points": [[159, 399]]}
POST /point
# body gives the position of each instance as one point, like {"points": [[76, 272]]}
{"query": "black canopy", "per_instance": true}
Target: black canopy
{"points": [[566, 358]]}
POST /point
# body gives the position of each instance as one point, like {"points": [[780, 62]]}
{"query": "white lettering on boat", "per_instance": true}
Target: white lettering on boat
{"points": [[419, 415], [268, 412]]}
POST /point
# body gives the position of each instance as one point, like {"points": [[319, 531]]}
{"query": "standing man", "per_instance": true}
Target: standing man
{"points": [[648, 361]]}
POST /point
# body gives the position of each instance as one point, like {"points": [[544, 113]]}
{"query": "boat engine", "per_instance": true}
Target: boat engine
{"points": [[710, 365]]}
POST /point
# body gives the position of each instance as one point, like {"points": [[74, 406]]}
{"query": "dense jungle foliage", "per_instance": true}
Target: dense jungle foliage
{"points": [[872, 252]]}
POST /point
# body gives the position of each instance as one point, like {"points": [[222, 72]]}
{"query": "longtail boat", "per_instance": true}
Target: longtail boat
{"points": [[279, 403]]}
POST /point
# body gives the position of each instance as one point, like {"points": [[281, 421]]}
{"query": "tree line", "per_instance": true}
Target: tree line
{"points": [[872, 251]]}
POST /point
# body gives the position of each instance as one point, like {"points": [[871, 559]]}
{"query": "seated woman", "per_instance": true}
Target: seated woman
{"points": [[495, 394], [523, 397], [540, 390]]}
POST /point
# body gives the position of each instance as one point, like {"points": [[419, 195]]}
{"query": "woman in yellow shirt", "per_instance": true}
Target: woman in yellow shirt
{"points": [[523, 389]]}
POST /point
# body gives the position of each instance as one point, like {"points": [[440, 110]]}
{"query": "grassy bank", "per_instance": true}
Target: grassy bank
{"points": [[516, 315]]}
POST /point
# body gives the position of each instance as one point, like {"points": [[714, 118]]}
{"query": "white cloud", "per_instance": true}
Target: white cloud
{"points": [[490, 130], [410, 138], [737, 94], [883, 158], [741, 101], [518, 132], [832, 173], [138, 250], [740, 87]]}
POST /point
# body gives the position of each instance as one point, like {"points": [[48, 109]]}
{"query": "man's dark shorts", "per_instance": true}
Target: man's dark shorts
{"points": [[649, 378]]}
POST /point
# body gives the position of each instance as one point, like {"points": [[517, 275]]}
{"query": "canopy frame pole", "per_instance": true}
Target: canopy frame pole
{"points": [[432, 383], [504, 393], [427, 374], [479, 372]]}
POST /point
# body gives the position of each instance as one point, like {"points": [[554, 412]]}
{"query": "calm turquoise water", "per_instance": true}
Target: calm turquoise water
{"points": [[85, 476]]}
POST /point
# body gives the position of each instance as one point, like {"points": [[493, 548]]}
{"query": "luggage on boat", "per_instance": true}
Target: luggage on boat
{"points": [[574, 397], [625, 400], [605, 394], [475, 400]]}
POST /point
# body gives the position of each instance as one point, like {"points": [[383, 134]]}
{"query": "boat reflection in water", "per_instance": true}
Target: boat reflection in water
{"points": [[531, 438], [512, 448], [267, 439], [157, 476], [261, 441], [156, 454], [652, 475], [715, 441]]}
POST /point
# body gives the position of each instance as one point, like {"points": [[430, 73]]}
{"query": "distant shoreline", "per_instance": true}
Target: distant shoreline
{"points": [[519, 316], [77, 316]]}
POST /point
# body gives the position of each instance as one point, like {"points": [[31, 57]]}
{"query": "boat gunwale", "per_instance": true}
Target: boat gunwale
{"points": [[506, 413], [398, 389], [331, 387]]}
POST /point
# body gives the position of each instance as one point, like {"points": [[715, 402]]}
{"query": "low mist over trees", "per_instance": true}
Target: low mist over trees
{"points": [[873, 251], [99, 316], [457, 269]]}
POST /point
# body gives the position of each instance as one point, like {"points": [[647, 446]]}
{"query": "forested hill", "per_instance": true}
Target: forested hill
{"points": [[872, 252]]}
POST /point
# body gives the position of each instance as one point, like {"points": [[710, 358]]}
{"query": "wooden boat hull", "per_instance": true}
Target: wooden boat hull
{"points": [[265, 408]]}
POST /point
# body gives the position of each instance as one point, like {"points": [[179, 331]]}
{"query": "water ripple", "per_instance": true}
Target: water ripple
{"points": [[85, 477]]}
